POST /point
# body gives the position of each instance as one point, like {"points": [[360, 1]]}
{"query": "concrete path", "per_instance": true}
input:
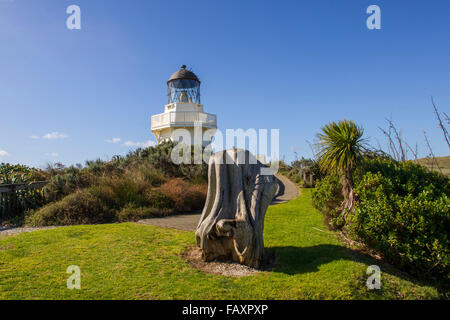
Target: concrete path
{"points": [[186, 221], [287, 190], [9, 231]]}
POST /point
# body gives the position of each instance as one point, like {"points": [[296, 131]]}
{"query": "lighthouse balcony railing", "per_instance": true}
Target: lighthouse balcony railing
{"points": [[184, 119]]}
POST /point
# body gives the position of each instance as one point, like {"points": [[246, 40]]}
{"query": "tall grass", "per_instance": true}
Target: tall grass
{"points": [[185, 196]]}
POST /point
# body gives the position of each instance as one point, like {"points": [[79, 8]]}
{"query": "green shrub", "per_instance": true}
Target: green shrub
{"points": [[154, 177], [125, 189], [185, 196], [410, 229], [327, 197], [160, 157], [66, 181], [106, 195], [402, 210], [81, 207], [409, 178], [57, 188], [104, 203], [156, 199], [130, 181]]}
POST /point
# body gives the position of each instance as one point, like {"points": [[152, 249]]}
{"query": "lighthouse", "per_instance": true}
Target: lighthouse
{"points": [[183, 111]]}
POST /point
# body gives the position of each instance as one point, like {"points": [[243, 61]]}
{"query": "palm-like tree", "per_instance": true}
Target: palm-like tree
{"points": [[339, 150]]}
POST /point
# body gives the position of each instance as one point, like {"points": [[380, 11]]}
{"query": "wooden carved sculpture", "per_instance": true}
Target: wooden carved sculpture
{"points": [[232, 223]]}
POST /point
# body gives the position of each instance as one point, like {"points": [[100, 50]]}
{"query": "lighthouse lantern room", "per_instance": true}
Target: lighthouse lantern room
{"points": [[183, 110]]}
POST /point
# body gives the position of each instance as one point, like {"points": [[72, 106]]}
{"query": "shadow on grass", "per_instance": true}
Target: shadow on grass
{"points": [[298, 260], [295, 260]]}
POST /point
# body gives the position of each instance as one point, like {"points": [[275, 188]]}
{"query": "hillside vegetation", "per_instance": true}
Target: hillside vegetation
{"points": [[145, 183]]}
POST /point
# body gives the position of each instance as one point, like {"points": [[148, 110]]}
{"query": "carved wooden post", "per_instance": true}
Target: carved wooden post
{"points": [[232, 223]]}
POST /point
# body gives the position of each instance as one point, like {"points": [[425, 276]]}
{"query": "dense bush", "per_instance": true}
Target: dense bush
{"points": [[120, 191], [103, 203], [160, 157], [154, 163], [402, 210], [81, 207], [65, 182], [185, 196], [409, 177], [142, 184], [327, 197]]}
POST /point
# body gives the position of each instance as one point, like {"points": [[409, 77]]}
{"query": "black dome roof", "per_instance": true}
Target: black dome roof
{"points": [[184, 74]]}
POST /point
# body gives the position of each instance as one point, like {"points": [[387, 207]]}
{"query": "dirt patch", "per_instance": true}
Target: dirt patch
{"points": [[193, 255]]}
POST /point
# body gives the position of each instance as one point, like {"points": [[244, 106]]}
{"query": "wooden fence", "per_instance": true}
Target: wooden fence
{"points": [[15, 198]]}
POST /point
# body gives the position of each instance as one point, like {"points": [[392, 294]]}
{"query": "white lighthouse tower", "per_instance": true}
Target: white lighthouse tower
{"points": [[184, 110]]}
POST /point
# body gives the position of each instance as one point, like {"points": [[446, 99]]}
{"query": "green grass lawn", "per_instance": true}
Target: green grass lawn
{"points": [[132, 261]]}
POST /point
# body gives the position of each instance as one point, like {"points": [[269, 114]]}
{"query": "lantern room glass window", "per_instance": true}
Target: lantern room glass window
{"points": [[184, 91]]}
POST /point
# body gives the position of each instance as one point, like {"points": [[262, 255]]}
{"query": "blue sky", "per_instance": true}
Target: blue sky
{"points": [[288, 65]]}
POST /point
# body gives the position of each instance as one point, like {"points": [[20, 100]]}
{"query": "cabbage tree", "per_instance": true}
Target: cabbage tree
{"points": [[340, 148]]}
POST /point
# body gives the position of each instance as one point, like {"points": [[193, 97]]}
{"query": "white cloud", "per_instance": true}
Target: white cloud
{"points": [[113, 140], [55, 135], [34, 137], [52, 154], [3, 153], [144, 144]]}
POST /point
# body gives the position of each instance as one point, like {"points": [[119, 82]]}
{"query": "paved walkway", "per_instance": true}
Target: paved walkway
{"points": [[287, 190], [8, 231]]}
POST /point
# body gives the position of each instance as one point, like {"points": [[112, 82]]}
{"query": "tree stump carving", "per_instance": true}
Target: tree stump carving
{"points": [[232, 223]]}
